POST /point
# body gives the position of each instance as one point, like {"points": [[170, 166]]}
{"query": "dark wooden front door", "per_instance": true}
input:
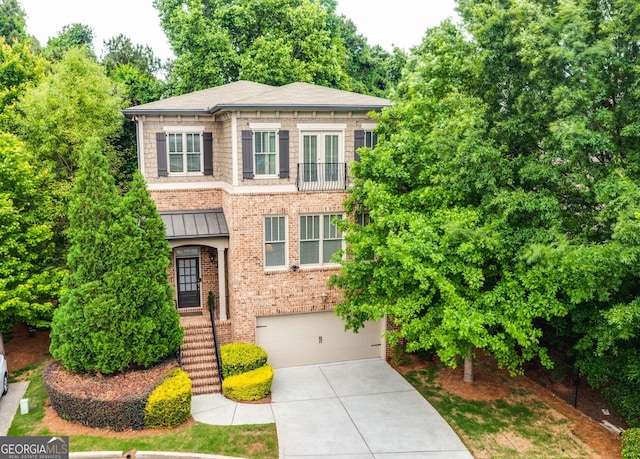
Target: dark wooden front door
{"points": [[188, 282]]}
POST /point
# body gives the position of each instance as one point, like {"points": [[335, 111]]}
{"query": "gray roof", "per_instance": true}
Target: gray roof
{"points": [[257, 96], [192, 224]]}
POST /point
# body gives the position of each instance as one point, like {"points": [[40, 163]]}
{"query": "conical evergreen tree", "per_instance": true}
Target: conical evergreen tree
{"points": [[117, 312]]}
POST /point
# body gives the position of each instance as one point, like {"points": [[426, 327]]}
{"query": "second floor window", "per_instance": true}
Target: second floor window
{"points": [[370, 139], [319, 238], [321, 154], [265, 153], [185, 153]]}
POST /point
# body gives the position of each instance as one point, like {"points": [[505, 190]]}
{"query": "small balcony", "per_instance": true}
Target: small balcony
{"points": [[321, 176]]}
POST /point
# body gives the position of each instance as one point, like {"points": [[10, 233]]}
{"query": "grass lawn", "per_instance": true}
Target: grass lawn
{"points": [[251, 441], [516, 424]]}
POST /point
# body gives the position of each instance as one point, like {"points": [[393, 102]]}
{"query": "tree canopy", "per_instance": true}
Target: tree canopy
{"points": [[503, 192], [72, 103], [30, 276], [13, 22], [71, 36], [268, 41]]}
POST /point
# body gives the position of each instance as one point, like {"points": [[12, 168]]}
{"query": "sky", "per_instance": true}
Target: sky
{"points": [[386, 23]]}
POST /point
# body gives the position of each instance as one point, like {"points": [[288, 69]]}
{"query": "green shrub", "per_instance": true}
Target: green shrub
{"points": [[631, 444], [169, 404], [399, 355], [252, 385], [238, 358]]}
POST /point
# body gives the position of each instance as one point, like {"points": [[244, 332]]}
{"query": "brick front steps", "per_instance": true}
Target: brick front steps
{"points": [[199, 355]]}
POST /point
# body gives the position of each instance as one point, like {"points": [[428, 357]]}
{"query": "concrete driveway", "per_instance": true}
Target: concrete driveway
{"points": [[9, 405], [353, 410]]}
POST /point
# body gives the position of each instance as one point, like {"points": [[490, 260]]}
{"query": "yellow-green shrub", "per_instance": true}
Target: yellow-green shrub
{"points": [[631, 444], [252, 385], [238, 358], [170, 403]]}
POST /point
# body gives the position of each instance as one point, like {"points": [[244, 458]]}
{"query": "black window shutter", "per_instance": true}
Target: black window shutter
{"points": [[207, 145], [247, 154], [358, 142], [161, 147], [284, 153]]}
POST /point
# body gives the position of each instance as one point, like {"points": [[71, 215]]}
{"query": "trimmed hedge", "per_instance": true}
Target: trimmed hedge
{"points": [[631, 444], [252, 385], [169, 404], [120, 404], [122, 414], [238, 358]]}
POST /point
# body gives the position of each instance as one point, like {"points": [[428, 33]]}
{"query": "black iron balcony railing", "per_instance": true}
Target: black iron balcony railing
{"points": [[321, 176]]}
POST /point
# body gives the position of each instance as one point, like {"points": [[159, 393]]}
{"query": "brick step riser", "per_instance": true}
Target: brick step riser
{"points": [[199, 377], [205, 382], [199, 366], [197, 345], [207, 390], [192, 338], [195, 359], [192, 350], [200, 327], [195, 353]]}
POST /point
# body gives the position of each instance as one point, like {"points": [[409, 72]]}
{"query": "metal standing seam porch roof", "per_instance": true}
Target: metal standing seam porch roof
{"points": [[195, 224]]}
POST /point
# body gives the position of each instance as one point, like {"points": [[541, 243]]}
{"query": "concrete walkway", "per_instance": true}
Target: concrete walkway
{"points": [[353, 410], [9, 404]]}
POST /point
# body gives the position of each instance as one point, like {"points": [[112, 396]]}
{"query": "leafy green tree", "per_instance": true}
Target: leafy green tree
{"points": [[444, 256], [72, 103], [275, 42], [13, 21], [134, 67], [503, 194], [29, 276], [71, 36], [117, 311], [562, 80], [120, 50], [19, 67], [371, 70]]}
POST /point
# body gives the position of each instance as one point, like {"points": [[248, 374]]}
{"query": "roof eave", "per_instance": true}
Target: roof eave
{"points": [[133, 111], [298, 107], [160, 111]]}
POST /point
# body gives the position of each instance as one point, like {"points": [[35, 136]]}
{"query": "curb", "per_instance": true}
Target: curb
{"points": [[144, 455]]}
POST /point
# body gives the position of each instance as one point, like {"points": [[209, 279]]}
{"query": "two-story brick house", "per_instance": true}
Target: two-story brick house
{"points": [[249, 180]]}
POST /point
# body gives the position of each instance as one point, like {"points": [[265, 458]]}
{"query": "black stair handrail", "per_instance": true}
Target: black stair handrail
{"points": [[215, 337]]}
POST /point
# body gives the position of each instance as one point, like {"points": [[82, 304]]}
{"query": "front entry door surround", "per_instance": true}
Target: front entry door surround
{"points": [[188, 282]]}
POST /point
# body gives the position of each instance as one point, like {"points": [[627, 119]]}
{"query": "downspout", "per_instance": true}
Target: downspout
{"points": [[234, 149], [139, 130]]}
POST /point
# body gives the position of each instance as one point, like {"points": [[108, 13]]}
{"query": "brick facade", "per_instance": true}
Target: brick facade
{"points": [[251, 289]]}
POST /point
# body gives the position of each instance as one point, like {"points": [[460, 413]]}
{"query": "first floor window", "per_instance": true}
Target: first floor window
{"points": [[363, 218], [319, 238], [275, 241], [185, 152]]}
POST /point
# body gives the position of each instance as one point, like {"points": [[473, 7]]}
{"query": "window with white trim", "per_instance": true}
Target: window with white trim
{"points": [[185, 152], [319, 238], [370, 139], [265, 150], [275, 241], [321, 156]]}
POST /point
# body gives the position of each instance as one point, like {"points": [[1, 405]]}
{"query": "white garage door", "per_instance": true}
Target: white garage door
{"points": [[315, 337]]}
